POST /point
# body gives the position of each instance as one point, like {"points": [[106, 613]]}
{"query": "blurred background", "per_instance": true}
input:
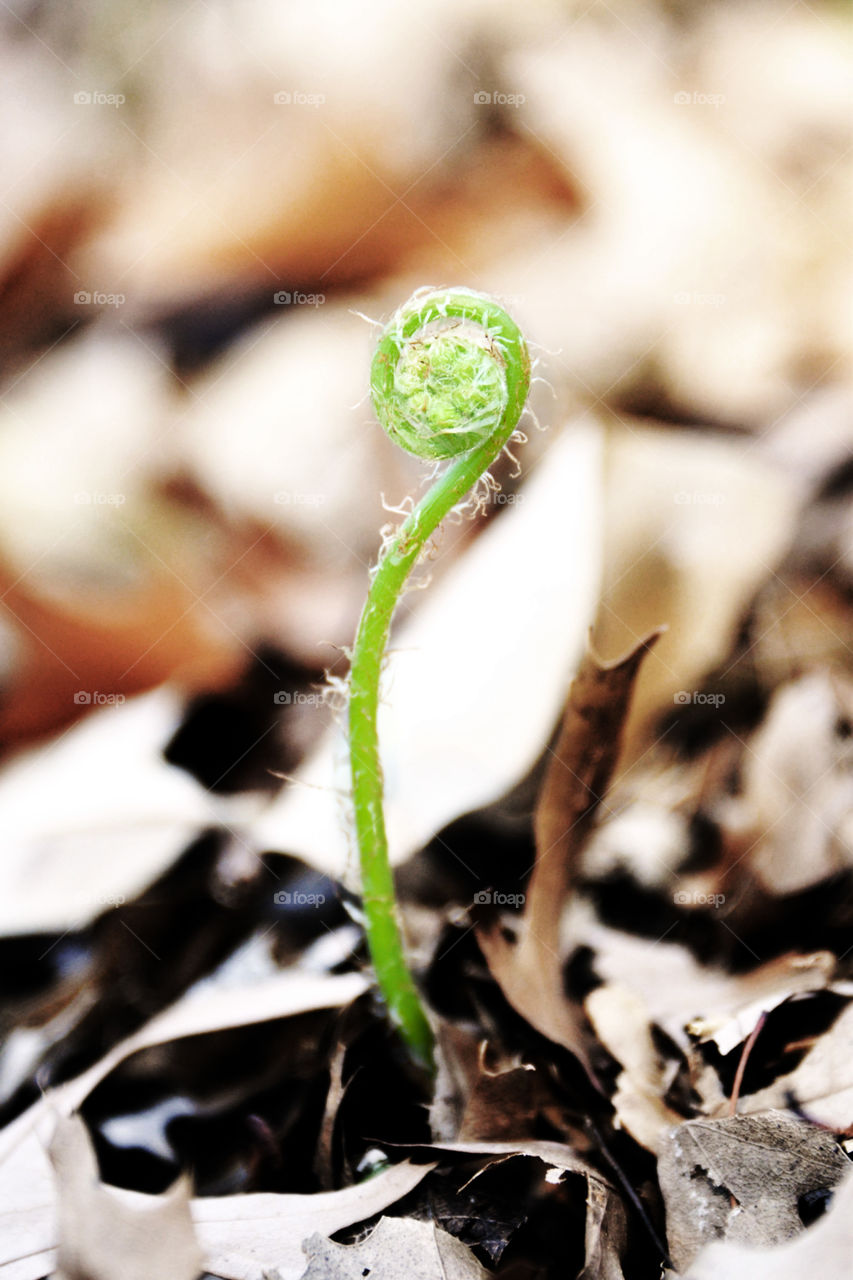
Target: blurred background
{"points": [[205, 204]]}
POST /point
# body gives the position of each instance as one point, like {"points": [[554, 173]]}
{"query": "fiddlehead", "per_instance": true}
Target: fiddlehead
{"points": [[449, 380]]}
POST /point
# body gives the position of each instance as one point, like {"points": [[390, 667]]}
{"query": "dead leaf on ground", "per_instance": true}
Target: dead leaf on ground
{"points": [[606, 1225], [766, 1163], [822, 1084], [101, 1233], [26, 1185], [105, 1230], [247, 1237], [824, 1249], [396, 1249], [683, 995], [621, 1022], [530, 972]]}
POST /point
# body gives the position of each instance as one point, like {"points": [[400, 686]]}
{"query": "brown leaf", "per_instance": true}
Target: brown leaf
{"points": [[530, 971], [605, 1235], [766, 1163]]}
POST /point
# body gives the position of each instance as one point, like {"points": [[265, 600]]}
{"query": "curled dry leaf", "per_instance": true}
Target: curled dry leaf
{"points": [[530, 971], [606, 1226], [620, 1020]]}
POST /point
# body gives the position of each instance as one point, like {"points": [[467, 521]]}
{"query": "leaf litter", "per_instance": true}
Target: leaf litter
{"points": [[629, 902]]}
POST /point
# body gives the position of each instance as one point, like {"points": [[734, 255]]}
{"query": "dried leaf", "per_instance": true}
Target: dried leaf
{"points": [[107, 782], [681, 993], [396, 1249], [247, 1237], [242, 1237], [766, 1163], [798, 784], [102, 1233], [823, 1250], [822, 1084], [26, 1185], [530, 972], [621, 1022], [605, 1234], [605, 1221]]}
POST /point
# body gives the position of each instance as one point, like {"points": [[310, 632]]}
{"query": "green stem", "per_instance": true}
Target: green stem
{"points": [[382, 926]]}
